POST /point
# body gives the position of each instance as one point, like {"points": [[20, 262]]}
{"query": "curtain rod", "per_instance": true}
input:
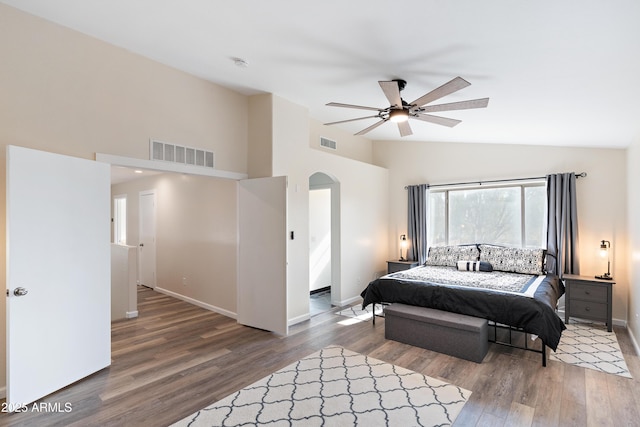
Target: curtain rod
{"points": [[578, 175]]}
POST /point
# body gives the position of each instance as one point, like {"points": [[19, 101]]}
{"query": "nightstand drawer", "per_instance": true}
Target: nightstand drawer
{"points": [[583, 291], [588, 310]]}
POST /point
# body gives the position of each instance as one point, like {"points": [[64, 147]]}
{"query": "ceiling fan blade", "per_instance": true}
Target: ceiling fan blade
{"points": [[462, 105], [392, 92], [404, 128], [372, 127], [446, 89], [350, 120], [360, 107], [437, 120]]}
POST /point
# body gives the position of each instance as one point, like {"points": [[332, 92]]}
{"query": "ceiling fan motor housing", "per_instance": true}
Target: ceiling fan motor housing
{"points": [[401, 84]]}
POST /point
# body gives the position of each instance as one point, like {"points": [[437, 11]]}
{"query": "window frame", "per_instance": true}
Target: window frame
{"points": [[119, 219], [522, 185]]}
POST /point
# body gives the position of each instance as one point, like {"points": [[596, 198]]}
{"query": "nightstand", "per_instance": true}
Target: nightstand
{"points": [[393, 266], [588, 298]]}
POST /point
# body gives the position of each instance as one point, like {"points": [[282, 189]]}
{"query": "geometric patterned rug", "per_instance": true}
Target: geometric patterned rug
{"points": [[337, 387], [591, 346]]}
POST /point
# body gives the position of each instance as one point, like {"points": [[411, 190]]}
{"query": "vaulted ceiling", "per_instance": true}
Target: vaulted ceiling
{"points": [[556, 72]]}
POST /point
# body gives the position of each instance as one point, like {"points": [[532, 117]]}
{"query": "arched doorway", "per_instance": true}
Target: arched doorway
{"points": [[324, 242]]}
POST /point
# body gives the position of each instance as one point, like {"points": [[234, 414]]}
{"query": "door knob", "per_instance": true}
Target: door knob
{"points": [[20, 292], [141, 244]]}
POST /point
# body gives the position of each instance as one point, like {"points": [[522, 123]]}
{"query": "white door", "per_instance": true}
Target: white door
{"points": [[262, 264], [58, 272], [147, 244]]}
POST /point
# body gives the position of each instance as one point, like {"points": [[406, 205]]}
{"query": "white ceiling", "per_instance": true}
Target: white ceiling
{"points": [[558, 72]]}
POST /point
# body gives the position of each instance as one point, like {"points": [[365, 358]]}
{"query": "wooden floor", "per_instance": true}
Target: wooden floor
{"points": [[177, 358]]}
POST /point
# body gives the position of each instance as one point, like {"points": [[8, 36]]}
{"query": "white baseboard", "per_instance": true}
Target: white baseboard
{"points": [[620, 322], [299, 319], [616, 322], [197, 302], [347, 301], [633, 340], [131, 314]]}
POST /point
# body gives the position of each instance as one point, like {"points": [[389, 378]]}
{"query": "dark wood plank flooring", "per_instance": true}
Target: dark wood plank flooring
{"points": [[176, 358]]}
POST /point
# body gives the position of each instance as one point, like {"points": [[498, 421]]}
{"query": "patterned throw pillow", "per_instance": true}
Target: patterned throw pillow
{"points": [[450, 255], [474, 266], [515, 260]]}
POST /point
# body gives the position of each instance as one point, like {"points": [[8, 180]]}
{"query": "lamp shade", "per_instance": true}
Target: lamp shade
{"points": [[605, 245], [403, 246]]}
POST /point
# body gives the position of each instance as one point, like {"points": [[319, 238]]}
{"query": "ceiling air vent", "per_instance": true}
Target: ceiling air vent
{"points": [[327, 143], [173, 153]]}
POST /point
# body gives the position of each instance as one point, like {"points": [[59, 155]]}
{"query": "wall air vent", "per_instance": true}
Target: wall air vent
{"points": [[173, 153], [327, 143]]}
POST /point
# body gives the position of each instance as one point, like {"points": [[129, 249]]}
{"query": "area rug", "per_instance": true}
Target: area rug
{"points": [[337, 387], [357, 312], [591, 346]]}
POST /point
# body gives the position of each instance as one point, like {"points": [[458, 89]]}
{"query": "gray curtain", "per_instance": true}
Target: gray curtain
{"points": [[562, 224], [418, 212]]}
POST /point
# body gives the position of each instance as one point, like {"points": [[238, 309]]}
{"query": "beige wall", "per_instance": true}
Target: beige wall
{"points": [[602, 204], [349, 146], [71, 94], [196, 235], [76, 95], [260, 161], [633, 209], [363, 207]]}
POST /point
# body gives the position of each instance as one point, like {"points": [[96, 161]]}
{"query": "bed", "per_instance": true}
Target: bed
{"points": [[507, 286]]}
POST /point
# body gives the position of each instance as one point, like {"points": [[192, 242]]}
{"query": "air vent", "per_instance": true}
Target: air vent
{"points": [[173, 153], [327, 143]]}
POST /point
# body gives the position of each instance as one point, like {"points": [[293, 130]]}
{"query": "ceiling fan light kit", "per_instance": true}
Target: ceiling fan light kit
{"points": [[400, 111], [398, 116]]}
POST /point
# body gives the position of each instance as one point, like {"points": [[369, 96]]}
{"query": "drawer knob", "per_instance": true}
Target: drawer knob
{"points": [[587, 309], [587, 293]]}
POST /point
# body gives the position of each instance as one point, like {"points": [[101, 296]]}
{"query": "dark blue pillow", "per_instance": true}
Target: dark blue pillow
{"points": [[474, 266]]}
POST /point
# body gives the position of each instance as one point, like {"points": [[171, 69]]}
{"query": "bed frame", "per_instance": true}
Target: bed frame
{"points": [[511, 329]]}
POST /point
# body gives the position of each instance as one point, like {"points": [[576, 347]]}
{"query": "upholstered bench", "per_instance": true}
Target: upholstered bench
{"points": [[454, 334]]}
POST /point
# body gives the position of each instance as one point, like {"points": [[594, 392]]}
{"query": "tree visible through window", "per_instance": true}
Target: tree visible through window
{"points": [[510, 215]]}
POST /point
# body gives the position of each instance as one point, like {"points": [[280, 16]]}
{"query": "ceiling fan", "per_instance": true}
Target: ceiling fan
{"points": [[400, 111]]}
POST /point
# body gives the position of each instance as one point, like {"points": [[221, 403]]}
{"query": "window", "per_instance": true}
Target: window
{"points": [[120, 220], [512, 215]]}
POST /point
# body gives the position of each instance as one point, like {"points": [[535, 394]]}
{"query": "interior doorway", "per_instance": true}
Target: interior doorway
{"points": [[147, 239], [324, 248]]}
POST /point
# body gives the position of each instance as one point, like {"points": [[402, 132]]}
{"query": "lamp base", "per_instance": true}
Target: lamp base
{"points": [[605, 276], [402, 259]]}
